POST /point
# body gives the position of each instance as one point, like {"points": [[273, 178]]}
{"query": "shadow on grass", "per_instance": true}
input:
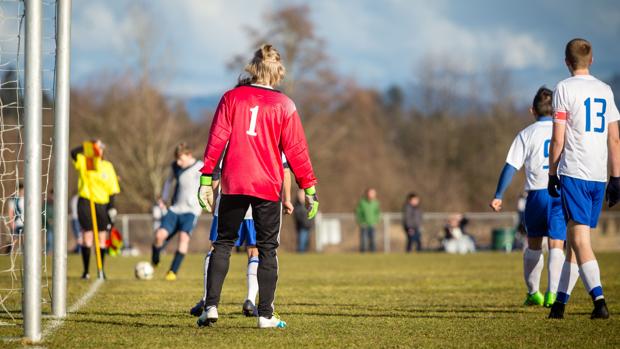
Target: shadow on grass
{"points": [[191, 323], [126, 323], [435, 308]]}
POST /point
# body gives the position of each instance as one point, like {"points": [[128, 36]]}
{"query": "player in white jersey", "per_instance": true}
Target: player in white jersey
{"points": [[585, 122], [543, 214], [247, 238], [183, 214]]}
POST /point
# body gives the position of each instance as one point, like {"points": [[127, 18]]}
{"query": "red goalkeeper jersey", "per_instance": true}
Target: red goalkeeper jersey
{"points": [[256, 124]]}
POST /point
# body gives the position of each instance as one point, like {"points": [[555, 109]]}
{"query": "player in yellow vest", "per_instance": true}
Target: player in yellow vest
{"points": [[97, 180]]}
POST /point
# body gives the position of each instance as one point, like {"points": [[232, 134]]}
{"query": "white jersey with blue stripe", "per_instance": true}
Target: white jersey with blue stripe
{"points": [[531, 149]]}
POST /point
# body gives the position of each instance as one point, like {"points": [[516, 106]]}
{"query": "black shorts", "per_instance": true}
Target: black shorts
{"points": [[86, 222]]}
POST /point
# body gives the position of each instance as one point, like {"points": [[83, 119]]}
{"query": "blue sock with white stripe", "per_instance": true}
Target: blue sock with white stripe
{"points": [[568, 279], [591, 277], [252, 279]]}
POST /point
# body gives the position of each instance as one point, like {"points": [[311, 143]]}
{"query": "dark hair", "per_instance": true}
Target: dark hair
{"points": [[411, 196], [578, 53], [542, 102], [20, 186]]}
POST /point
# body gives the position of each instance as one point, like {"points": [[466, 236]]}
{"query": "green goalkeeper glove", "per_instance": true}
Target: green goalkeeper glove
{"points": [[205, 193], [312, 202]]}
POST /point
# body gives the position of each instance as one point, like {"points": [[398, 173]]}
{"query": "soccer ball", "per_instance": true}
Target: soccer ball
{"points": [[144, 271]]}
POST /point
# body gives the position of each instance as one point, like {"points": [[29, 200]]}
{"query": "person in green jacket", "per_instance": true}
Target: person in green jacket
{"points": [[367, 215]]}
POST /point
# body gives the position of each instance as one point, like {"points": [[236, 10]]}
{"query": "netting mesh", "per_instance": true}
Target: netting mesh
{"points": [[12, 22]]}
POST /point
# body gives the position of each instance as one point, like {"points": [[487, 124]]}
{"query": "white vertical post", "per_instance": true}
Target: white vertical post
{"points": [[386, 233], [318, 232], [61, 157], [125, 232], [32, 181]]}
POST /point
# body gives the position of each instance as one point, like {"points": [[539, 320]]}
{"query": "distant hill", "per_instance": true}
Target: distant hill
{"points": [[197, 105]]}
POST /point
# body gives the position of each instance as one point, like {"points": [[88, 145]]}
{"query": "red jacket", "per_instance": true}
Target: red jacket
{"points": [[257, 124]]}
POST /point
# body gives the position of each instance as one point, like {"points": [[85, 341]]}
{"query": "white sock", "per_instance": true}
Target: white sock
{"points": [[556, 260], [252, 279], [533, 263], [568, 279], [591, 277], [207, 257]]}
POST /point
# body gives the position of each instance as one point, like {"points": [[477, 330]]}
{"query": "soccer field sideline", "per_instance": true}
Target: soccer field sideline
{"points": [[428, 300]]}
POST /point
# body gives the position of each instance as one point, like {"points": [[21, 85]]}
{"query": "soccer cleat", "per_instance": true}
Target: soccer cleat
{"points": [[600, 310], [534, 299], [198, 308], [557, 311], [171, 276], [208, 317], [550, 299], [85, 276], [273, 322], [249, 309]]}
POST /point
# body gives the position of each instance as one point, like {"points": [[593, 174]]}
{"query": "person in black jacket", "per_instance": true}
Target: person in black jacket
{"points": [[303, 225], [412, 222]]}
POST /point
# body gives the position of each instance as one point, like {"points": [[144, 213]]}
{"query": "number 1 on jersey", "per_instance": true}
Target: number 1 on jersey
{"points": [[252, 130]]}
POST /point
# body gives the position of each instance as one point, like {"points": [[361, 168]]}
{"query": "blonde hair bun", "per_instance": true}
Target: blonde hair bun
{"points": [[265, 68]]}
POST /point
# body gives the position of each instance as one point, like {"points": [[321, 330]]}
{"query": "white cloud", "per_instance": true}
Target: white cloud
{"points": [[406, 32], [376, 42]]}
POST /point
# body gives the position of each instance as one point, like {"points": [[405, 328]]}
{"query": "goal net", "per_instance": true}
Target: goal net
{"points": [[12, 23]]}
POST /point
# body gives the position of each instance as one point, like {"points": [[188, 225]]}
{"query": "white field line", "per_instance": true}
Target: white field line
{"points": [[56, 323]]}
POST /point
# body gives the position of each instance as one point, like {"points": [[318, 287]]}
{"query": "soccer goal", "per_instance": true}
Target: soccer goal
{"points": [[34, 137]]}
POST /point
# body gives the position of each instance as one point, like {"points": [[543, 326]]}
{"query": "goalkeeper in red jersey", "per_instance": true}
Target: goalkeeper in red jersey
{"points": [[255, 124]]}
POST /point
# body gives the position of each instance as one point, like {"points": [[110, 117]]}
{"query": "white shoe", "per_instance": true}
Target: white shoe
{"points": [[274, 322], [208, 317]]}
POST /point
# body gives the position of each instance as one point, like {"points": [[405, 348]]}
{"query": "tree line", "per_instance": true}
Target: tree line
{"points": [[449, 149]]}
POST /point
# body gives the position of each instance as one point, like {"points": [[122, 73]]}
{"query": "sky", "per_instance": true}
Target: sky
{"points": [[379, 43]]}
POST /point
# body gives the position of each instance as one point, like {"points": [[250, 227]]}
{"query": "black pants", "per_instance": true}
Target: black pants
{"points": [[267, 217], [414, 236], [85, 217]]}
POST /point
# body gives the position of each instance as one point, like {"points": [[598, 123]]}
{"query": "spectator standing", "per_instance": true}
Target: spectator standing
{"points": [[368, 214], [303, 225], [412, 221]]}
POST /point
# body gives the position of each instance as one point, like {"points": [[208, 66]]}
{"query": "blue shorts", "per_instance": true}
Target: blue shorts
{"points": [[544, 216], [247, 232], [582, 200], [174, 223]]}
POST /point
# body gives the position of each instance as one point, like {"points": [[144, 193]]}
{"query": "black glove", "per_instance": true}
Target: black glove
{"points": [[553, 187], [613, 191]]}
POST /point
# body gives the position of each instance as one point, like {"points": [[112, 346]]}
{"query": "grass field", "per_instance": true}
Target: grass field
{"points": [[427, 300]]}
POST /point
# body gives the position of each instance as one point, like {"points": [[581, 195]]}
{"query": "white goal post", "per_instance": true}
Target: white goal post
{"points": [[33, 164]]}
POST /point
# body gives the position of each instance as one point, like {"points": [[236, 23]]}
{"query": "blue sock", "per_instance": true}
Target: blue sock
{"points": [[562, 297], [176, 262], [596, 293]]}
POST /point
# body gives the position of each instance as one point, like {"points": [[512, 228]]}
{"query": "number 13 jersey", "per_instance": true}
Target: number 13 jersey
{"points": [[256, 125], [586, 105]]}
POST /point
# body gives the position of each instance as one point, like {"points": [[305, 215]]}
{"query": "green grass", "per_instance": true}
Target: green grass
{"points": [[428, 300]]}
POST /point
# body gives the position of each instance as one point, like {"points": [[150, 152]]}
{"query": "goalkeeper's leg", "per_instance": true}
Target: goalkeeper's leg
{"points": [[231, 213], [267, 218]]}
